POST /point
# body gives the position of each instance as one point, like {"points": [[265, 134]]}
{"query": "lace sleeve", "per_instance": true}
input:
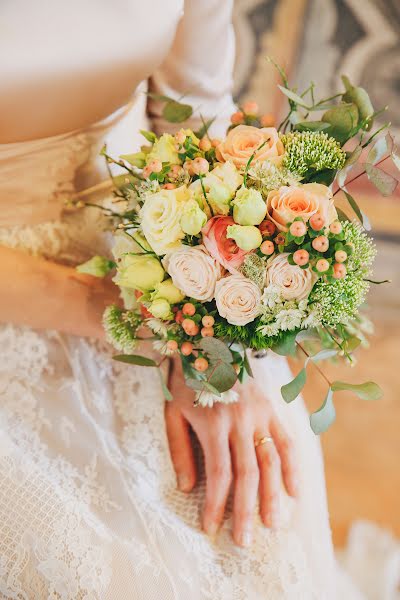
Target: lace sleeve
{"points": [[199, 65]]}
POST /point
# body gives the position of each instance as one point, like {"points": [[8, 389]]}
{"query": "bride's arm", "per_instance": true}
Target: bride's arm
{"points": [[46, 295]]}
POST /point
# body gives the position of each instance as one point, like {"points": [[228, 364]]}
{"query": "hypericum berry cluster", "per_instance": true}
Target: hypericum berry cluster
{"points": [[311, 245], [249, 114]]}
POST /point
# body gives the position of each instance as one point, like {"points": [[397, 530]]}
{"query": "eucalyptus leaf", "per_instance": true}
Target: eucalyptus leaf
{"points": [[291, 390], [352, 157], [293, 96], [396, 160], [216, 350], [213, 390], [325, 354], [360, 97], [378, 151], [287, 345], [326, 177], [342, 118], [365, 391], [342, 215], [176, 112], [135, 359], [222, 376], [195, 384], [385, 183], [360, 214], [246, 364], [323, 418], [159, 97]]}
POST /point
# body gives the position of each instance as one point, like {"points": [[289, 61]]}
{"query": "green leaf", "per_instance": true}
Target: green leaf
{"points": [[360, 214], [384, 182], [165, 390], [326, 177], [176, 112], [325, 354], [361, 99], [158, 97], [195, 384], [365, 391], [352, 157], [135, 359], [291, 390], [342, 215], [293, 96], [149, 135], [246, 364], [287, 345], [207, 385], [216, 350], [323, 418], [222, 376], [343, 118], [311, 126], [378, 150], [204, 128]]}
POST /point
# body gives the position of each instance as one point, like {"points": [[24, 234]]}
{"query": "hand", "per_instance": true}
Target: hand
{"points": [[227, 434]]}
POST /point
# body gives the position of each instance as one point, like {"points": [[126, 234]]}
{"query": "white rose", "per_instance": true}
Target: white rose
{"points": [[193, 271], [238, 299], [292, 282], [160, 218]]}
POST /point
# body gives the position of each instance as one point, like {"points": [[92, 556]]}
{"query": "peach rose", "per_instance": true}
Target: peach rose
{"points": [[224, 250], [242, 141], [293, 282], [238, 299], [289, 202], [193, 271]]}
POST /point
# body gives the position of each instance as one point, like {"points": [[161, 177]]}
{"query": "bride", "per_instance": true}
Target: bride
{"points": [[91, 504]]}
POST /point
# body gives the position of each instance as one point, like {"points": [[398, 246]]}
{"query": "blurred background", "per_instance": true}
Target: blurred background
{"points": [[318, 40]]}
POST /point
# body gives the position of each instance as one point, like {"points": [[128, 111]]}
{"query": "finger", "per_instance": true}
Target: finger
{"points": [[270, 482], [285, 448], [218, 478], [180, 447], [246, 485]]}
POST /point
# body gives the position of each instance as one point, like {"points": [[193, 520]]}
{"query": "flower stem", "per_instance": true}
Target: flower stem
{"points": [[315, 365]]}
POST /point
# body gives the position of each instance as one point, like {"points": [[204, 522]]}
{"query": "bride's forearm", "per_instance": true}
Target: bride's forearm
{"points": [[46, 295]]}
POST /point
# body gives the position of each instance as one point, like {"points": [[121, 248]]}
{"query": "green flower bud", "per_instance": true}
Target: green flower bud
{"points": [[167, 290], [249, 207], [124, 243], [164, 150], [98, 266], [193, 218], [140, 272], [247, 237], [161, 309]]}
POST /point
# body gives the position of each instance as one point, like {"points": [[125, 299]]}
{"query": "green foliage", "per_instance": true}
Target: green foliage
{"points": [[342, 120], [365, 391], [173, 111], [310, 152], [324, 416], [291, 390], [135, 359]]}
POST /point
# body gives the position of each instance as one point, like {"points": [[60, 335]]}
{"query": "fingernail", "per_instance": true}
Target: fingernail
{"points": [[184, 483], [245, 538]]}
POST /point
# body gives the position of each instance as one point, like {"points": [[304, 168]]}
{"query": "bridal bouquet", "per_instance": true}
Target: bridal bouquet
{"points": [[226, 245]]}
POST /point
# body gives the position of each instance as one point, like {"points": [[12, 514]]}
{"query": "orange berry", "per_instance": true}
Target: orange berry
{"points": [[267, 120], [317, 222], [250, 108], [280, 239], [208, 321], [207, 332], [301, 257], [205, 144], [146, 172], [187, 348], [298, 228], [237, 368], [175, 172], [180, 136], [320, 243], [339, 271], [322, 265], [237, 118], [169, 186], [267, 247], [215, 142], [201, 364], [336, 227], [267, 227], [190, 327], [340, 256], [200, 166], [187, 165], [179, 317], [172, 345], [189, 309]]}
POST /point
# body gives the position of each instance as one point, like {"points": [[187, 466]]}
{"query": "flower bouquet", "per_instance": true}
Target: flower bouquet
{"points": [[229, 245]]}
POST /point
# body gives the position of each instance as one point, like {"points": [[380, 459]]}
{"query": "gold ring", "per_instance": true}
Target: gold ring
{"points": [[263, 440]]}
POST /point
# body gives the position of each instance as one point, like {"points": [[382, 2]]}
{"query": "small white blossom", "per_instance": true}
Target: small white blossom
{"points": [[162, 348], [290, 319], [206, 398], [271, 296], [157, 327]]}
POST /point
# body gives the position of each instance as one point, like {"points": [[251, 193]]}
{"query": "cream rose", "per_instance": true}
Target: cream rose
{"points": [[292, 282], [242, 141], [289, 202], [193, 271], [238, 299], [161, 218]]}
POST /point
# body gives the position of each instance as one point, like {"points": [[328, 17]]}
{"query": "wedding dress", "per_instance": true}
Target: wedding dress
{"points": [[89, 507]]}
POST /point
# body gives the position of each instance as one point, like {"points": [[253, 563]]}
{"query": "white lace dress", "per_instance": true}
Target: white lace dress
{"points": [[88, 502]]}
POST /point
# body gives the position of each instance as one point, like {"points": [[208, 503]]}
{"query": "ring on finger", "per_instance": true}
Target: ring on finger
{"points": [[263, 440]]}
